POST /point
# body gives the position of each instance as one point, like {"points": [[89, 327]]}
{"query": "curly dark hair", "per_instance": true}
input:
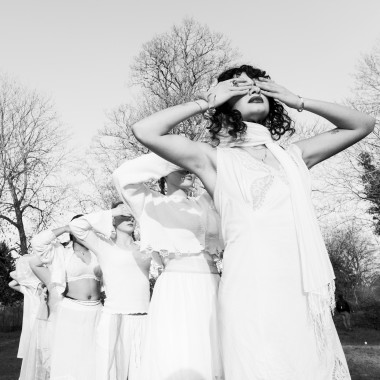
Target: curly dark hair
{"points": [[278, 121], [161, 184]]}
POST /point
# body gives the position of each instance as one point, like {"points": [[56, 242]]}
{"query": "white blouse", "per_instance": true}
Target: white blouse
{"points": [[169, 225], [125, 271], [64, 266]]}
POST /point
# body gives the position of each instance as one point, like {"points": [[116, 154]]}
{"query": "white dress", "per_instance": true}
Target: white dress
{"points": [[266, 333], [75, 322], [122, 322], [34, 342], [182, 341]]}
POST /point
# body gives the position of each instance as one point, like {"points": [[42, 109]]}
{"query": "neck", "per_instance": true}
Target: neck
{"points": [[123, 239], [173, 190]]}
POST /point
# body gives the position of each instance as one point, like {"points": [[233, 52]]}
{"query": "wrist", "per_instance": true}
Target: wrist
{"points": [[202, 105], [301, 104]]}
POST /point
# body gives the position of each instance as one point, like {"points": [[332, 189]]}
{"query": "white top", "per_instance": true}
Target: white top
{"points": [[169, 225], [64, 266], [125, 271]]}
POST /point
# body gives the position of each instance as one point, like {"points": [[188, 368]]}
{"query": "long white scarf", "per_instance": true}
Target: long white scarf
{"points": [[317, 272]]}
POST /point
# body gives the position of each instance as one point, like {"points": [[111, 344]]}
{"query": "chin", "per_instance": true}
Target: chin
{"points": [[126, 228]]}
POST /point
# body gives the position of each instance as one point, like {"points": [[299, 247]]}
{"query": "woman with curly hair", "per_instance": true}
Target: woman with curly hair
{"points": [[275, 261]]}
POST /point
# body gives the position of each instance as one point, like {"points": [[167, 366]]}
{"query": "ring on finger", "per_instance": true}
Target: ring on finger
{"points": [[235, 83]]}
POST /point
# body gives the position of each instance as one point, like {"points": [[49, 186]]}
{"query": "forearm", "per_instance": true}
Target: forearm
{"points": [[86, 227], [61, 230], [41, 272], [162, 122], [342, 117], [15, 286]]}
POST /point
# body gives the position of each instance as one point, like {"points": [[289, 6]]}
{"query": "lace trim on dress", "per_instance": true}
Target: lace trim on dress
{"points": [[340, 371], [260, 187]]}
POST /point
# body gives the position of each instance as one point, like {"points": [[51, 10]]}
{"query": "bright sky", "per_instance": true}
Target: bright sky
{"points": [[79, 52]]}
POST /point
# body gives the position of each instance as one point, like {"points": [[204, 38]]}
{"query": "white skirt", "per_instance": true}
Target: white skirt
{"points": [[118, 346], [182, 340], [73, 345], [36, 363]]}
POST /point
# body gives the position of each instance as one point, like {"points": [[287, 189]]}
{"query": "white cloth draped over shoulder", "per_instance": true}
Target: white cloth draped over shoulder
{"points": [[162, 226], [317, 272], [29, 286]]}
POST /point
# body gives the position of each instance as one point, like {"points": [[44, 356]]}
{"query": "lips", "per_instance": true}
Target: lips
{"points": [[256, 99]]}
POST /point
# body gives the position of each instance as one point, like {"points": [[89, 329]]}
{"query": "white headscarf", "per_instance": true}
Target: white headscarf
{"points": [[317, 272]]}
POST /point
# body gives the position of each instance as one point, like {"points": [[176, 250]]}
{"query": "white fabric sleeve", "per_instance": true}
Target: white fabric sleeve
{"points": [[24, 274], [44, 247], [129, 179], [88, 226]]}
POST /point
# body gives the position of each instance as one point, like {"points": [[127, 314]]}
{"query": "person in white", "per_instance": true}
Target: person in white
{"points": [[182, 233], [275, 260], [29, 285], [76, 275], [34, 347], [126, 279]]}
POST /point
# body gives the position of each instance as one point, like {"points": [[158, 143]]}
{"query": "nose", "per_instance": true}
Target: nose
{"points": [[254, 89]]}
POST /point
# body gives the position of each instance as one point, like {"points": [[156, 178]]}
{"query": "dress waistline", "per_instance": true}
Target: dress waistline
{"points": [[192, 264]]}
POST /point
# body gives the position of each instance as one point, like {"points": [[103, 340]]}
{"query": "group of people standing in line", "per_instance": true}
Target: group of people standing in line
{"points": [[255, 210]]}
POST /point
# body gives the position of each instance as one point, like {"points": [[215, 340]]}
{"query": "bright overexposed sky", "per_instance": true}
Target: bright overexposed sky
{"points": [[79, 51]]}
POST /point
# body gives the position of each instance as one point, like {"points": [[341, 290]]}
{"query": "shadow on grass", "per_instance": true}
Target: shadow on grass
{"points": [[363, 359], [9, 364]]}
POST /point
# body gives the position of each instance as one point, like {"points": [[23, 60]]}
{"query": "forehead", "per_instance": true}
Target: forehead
{"points": [[242, 75]]}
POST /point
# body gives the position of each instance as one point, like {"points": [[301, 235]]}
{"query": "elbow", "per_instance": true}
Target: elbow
{"points": [[138, 132], [370, 124], [144, 133]]}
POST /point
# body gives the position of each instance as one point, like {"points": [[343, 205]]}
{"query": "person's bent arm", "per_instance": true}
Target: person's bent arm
{"points": [[194, 156], [129, 179], [15, 286], [39, 269], [352, 125]]}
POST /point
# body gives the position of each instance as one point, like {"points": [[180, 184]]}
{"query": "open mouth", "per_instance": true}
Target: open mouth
{"points": [[256, 99]]}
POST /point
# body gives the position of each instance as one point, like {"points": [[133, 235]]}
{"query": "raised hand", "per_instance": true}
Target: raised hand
{"points": [[121, 210], [224, 91], [274, 90]]}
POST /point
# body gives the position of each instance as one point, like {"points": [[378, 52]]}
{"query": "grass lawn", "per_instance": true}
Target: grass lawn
{"points": [[9, 364], [363, 359], [362, 349]]}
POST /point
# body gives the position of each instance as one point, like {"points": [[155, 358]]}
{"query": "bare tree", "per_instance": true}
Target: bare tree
{"points": [[354, 258], [31, 156], [170, 69], [174, 66]]}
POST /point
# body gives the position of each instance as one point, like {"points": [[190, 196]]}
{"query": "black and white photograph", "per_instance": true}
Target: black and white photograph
{"points": [[189, 190]]}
